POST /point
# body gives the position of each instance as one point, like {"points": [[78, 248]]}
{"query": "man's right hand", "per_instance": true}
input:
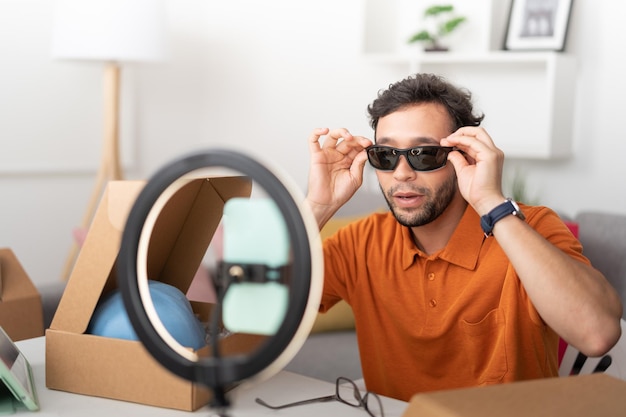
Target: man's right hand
{"points": [[336, 170]]}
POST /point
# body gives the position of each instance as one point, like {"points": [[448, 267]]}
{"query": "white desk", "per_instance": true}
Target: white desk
{"points": [[282, 388]]}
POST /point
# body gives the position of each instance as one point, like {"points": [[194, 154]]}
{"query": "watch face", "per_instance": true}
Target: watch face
{"points": [[518, 211]]}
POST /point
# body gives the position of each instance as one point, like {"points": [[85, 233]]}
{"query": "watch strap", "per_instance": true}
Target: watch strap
{"points": [[508, 207]]}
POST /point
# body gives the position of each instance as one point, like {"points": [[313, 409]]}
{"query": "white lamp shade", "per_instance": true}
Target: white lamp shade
{"points": [[109, 30]]}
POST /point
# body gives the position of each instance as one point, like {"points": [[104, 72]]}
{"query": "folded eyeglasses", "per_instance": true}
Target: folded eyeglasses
{"points": [[346, 392]]}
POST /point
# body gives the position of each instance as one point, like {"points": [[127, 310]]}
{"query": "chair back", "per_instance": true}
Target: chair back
{"points": [[603, 236]]}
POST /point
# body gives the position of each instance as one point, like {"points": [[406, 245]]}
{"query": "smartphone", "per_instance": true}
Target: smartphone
{"points": [[16, 373]]}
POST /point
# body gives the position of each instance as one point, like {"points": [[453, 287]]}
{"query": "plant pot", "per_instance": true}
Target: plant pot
{"points": [[436, 49]]}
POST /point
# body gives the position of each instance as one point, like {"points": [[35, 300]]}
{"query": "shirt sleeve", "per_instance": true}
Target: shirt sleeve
{"points": [[337, 253]]}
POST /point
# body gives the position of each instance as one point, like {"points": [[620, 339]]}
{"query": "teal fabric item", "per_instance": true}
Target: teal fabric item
{"points": [[255, 233], [111, 320]]}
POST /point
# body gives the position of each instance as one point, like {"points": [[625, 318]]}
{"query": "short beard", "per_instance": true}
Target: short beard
{"points": [[436, 203]]}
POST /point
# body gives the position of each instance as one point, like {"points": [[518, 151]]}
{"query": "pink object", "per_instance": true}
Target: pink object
{"points": [[573, 227], [79, 235], [202, 288]]}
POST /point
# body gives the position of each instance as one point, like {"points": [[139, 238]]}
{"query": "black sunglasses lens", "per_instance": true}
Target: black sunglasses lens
{"points": [[421, 158], [383, 158], [427, 158]]}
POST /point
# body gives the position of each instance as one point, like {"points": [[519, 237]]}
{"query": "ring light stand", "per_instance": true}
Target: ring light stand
{"points": [[305, 285]]}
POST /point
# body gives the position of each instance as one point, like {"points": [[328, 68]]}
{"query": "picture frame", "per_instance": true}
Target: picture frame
{"points": [[538, 25]]}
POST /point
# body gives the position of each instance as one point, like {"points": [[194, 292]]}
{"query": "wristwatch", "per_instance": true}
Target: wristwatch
{"points": [[488, 221]]}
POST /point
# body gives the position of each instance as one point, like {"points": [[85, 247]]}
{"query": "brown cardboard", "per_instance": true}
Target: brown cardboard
{"points": [[21, 312], [597, 395], [123, 369]]}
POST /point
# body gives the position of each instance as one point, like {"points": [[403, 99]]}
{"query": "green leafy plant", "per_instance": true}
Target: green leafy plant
{"points": [[519, 191], [444, 23]]}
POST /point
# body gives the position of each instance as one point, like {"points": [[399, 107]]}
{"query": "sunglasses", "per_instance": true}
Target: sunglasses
{"points": [[420, 158]]}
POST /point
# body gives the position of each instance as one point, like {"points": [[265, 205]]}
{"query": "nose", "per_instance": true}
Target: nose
{"points": [[403, 171]]}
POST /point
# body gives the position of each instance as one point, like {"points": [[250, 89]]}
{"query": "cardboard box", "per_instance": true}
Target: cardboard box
{"points": [[597, 395], [21, 312], [122, 369]]}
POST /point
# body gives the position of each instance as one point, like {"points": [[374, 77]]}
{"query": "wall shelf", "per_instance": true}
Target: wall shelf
{"points": [[460, 57]]}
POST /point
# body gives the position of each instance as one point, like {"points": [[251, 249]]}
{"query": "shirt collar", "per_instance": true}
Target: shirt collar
{"points": [[463, 248]]}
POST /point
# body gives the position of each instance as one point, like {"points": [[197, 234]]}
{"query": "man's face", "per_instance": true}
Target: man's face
{"points": [[416, 198]]}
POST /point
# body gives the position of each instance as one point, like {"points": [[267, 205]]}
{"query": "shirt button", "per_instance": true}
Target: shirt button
{"points": [[431, 276], [433, 303]]}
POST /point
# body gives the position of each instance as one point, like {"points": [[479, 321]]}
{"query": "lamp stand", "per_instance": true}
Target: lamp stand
{"points": [[110, 166]]}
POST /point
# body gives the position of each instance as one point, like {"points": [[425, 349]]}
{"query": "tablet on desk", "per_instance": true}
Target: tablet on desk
{"points": [[16, 373]]}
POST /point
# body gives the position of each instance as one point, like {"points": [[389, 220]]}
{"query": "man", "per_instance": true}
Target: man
{"points": [[442, 297]]}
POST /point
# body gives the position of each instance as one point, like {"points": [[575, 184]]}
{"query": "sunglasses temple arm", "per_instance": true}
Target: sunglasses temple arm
{"points": [[294, 404]]}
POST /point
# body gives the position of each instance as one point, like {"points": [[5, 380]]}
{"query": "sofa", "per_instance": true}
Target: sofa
{"points": [[603, 236]]}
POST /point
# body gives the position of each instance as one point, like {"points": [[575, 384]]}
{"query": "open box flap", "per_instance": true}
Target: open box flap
{"points": [[178, 242], [123, 195], [229, 187], [186, 227], [15, 281], [95, 262], [21, 311]]}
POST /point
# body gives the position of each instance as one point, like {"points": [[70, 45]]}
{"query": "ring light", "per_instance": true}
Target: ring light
{"points": [[305, 282]]}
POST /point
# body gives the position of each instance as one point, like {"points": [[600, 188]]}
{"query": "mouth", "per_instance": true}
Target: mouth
{"points": [[407, 199]]}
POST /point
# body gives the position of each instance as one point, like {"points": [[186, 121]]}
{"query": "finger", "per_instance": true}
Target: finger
{"points": [[469, 144], [353, 145], [314, 138], [477, 148], [354, 152], [472, 133], [336, 136], [363, 141], [317, 134], [358, 165], [459, 161]]}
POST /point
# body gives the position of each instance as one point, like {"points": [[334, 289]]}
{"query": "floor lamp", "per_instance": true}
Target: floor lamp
{"points": [[112, 32]]}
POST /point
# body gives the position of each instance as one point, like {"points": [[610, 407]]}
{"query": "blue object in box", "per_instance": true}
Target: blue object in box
{"points": [[111, 320]]}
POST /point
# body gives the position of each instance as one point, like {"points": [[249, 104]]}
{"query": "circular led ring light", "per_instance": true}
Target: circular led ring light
{"points": [[305, 287]]}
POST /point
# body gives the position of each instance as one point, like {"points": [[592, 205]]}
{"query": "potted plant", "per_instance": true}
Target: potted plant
{"points": [[518, 189], [442, 22]]}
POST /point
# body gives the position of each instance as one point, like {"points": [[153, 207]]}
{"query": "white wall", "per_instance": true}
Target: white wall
{"points": [[256, 76], [593, 178]]}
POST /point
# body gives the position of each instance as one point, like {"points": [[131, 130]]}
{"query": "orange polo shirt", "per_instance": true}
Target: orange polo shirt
{"points": [[457, 318]]}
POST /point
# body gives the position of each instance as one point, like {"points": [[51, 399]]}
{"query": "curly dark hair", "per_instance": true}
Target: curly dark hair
{"points": [[426, 88]]}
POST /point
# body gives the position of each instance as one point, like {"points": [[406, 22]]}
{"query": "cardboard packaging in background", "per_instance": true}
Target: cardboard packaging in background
{"points": [[21, 312], [597, 395], [123, 369]]}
